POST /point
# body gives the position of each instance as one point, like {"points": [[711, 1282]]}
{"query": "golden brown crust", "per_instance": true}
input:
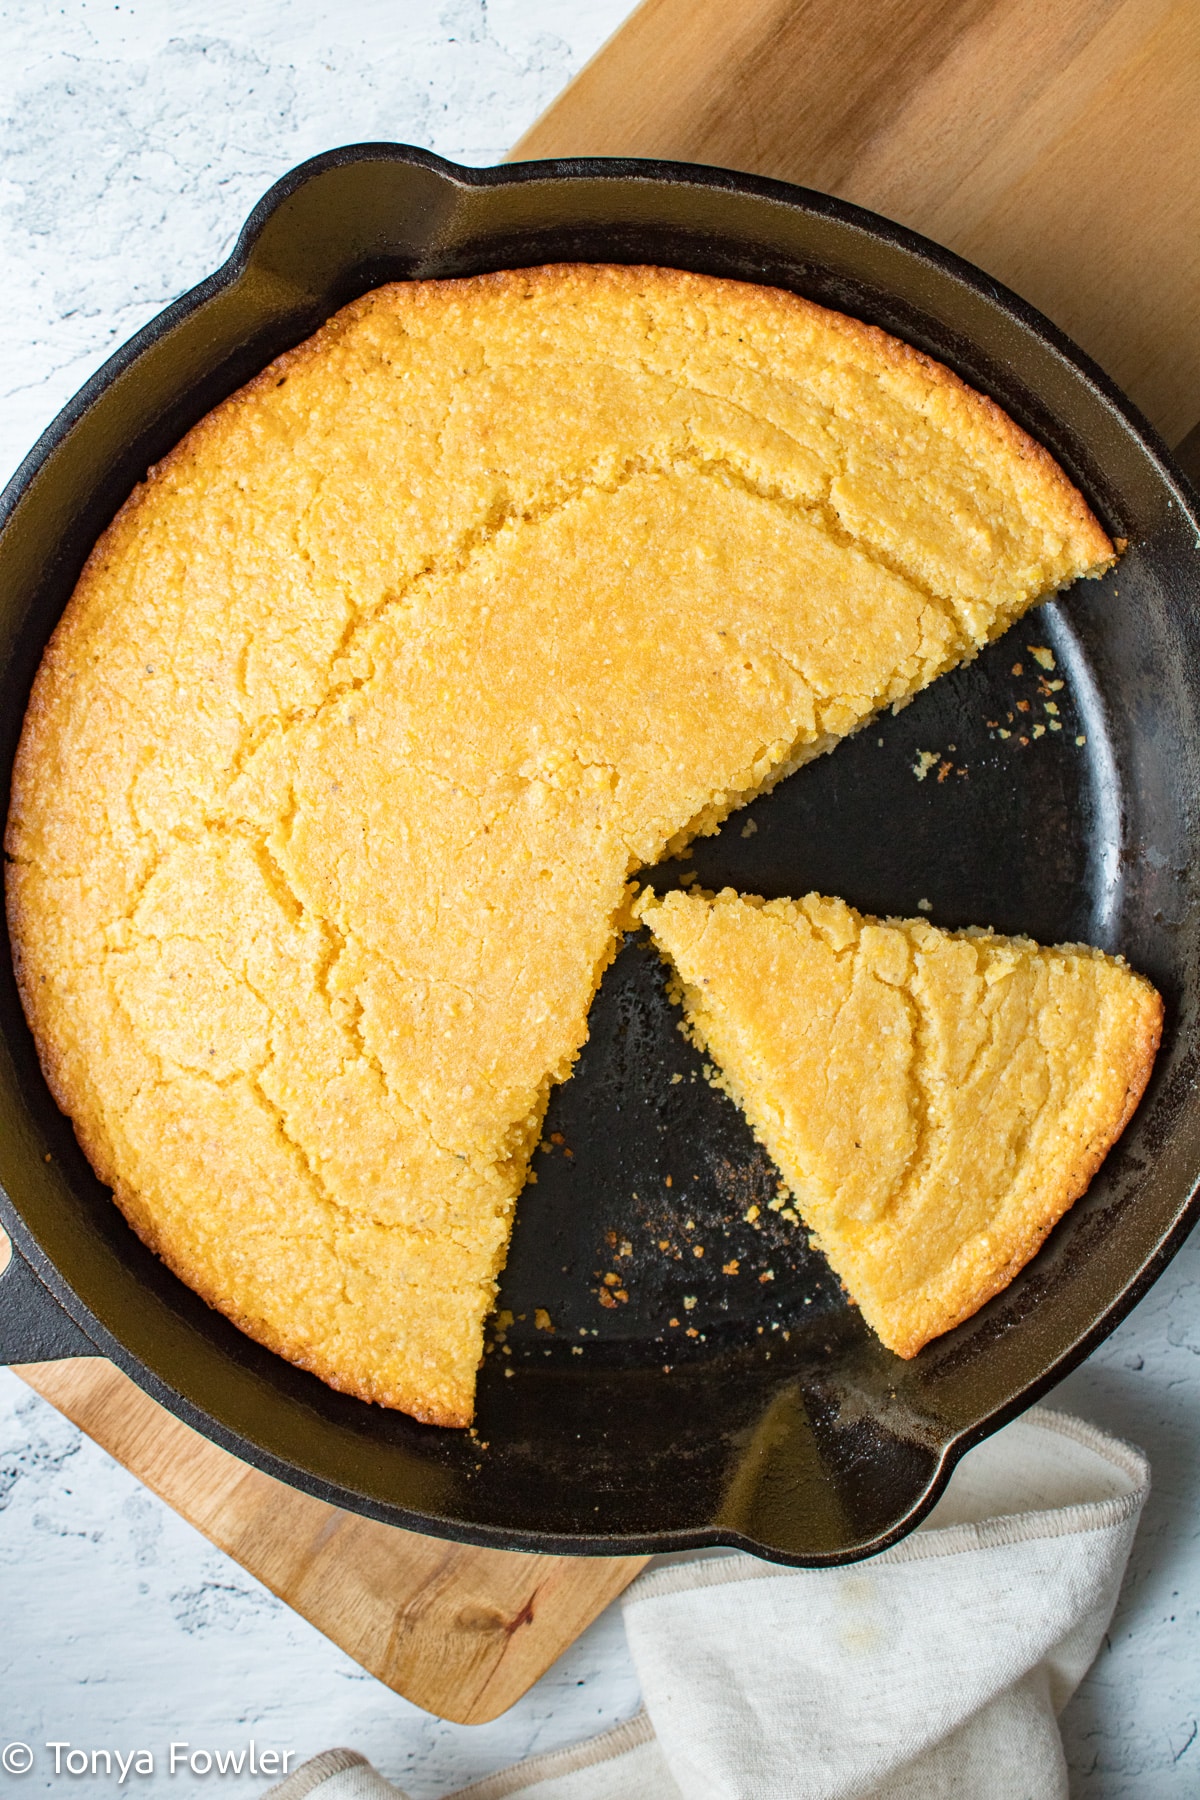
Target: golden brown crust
{"points": [[290, 716], [1095, 549]]}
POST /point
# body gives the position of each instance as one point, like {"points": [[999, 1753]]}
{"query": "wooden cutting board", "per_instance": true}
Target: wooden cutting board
{"points": [[1055, 144]]}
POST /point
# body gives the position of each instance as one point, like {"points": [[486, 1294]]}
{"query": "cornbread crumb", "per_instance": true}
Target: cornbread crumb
{"points": [[377, 691], [935, 1100]]}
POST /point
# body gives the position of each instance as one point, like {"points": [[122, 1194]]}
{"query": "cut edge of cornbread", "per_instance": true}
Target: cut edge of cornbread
{"points": [[717, 983]]}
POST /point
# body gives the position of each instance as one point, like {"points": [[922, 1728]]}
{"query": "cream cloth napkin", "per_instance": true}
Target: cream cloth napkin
{"points": [[934, 1670]]}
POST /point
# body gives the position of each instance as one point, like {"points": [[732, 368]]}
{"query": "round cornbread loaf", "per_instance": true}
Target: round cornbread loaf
{"points": [[376, 692]]}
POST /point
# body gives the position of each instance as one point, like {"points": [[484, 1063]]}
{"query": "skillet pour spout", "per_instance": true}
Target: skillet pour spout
{"points": [[781, 1425]]}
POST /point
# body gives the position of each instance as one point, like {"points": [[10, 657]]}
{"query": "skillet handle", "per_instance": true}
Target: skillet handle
{"points": [[33, 1326]]}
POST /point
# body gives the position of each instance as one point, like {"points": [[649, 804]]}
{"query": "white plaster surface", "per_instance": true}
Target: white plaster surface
{"points": [[133, 141]]}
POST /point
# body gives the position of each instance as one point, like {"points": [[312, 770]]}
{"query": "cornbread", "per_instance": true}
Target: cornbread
{"points": [[934, 1100], [378, 689]]}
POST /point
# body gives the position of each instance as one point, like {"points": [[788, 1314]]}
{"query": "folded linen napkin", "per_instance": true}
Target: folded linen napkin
{"points": [[935, 1669]]}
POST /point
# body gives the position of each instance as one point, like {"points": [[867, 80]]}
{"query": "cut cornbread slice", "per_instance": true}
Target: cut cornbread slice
{"points": [[376, 692], [935, 1100]]}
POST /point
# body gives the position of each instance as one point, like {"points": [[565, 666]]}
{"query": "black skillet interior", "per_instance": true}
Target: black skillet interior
{"points": [[645, 1395]]}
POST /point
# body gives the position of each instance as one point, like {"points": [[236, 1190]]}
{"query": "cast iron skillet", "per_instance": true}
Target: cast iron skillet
{"points": [[781, 1425]]}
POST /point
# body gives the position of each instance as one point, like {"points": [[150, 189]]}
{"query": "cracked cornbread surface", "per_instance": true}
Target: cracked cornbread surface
{"points": [[373, 696], [934, 1100]]}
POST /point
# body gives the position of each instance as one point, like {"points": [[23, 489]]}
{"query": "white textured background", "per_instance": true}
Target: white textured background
{"points": [[134, 139]]}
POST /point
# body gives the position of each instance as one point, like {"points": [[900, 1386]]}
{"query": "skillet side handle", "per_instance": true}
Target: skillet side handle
{"points": [[33, 1326]]}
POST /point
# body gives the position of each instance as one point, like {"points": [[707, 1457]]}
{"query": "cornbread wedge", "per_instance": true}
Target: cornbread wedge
{"points": [[373, 696], [935, 1100]]}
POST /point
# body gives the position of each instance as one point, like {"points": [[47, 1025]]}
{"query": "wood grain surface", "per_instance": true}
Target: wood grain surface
{"points": [[460, 1631], [1055, 144]]}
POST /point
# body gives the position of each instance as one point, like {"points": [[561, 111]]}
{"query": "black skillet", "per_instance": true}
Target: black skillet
{"points": [[731, 1397]]}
